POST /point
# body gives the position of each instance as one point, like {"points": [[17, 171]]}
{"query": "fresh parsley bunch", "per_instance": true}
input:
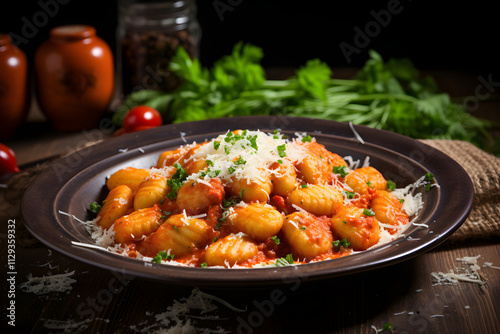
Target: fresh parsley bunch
{"points": [[385, 95]]}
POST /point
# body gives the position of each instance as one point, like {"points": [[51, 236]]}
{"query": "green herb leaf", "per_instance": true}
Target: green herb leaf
{"points": [[344, 243], [313, 76], [176, 181], [162, 255], [94, 207], [306, 139], [341, 170], [429, 177], [368, 212], [284, 261], [350, 194], [281, 150]]}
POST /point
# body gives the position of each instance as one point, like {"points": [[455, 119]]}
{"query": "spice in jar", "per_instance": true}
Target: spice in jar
{"points": [[151, 33]]}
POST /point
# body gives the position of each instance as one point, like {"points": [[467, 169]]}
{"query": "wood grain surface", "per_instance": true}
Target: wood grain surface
{"points": [[403, 295]]}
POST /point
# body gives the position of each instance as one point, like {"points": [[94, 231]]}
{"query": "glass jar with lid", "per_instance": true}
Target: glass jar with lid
{"points": [[150, 32]]}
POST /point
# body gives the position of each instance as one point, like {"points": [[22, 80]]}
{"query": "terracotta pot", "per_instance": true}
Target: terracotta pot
{"points": [[74, 72], [14, 88]]}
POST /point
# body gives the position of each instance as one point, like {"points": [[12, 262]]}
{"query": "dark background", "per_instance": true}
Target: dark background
{"points": [[461, 36]]}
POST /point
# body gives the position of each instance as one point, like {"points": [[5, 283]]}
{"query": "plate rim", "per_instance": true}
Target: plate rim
{"points": [[246, 277]]}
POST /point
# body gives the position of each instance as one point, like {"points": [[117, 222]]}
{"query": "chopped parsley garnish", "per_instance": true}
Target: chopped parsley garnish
{"points": [[240, 161], [210, 173], [226, 204], [276, 240], [350, 194], [344, 243], [227, 150], [341, 170], [368, 212], [280, 161], [176, 181], [429, 177], [216, 145], [369, 183], [401, 200], [281, 150], [284, 261], [231, 138], [391, 185], [306, 138], [303, 228], [303, 185], [162, 255], [94, 207], [253, 142], [230, 202], [210, 163]]}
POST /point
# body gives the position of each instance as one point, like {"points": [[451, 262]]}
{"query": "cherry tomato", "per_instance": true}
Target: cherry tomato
{"points": [[140, 117], [8, 162]]}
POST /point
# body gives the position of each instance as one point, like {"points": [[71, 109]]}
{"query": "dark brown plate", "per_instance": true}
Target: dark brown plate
{"points": [[71, 183]]}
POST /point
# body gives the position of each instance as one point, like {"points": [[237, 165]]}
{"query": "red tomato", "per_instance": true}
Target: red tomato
{"points": [[8, 162], [140, 117]]}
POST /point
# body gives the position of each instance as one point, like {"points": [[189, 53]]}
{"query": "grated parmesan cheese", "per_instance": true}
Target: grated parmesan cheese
{"points": [[356, 134], [179, 317], [470, 272], [50, 283], [256, 151]]}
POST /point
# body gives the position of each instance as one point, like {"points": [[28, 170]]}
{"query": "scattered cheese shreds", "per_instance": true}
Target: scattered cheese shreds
{"points": [[179, 317], [50, 283], [356, 134], [470, 273]]}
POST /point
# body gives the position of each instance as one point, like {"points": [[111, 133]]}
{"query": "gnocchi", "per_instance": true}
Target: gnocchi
{"points": [[249, 199]]}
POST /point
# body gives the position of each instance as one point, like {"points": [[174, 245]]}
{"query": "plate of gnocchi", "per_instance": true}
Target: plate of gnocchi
{"points": [[249, 201]]}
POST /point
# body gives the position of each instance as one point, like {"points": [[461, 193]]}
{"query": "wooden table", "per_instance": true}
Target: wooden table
{"points": [[101, 301]]}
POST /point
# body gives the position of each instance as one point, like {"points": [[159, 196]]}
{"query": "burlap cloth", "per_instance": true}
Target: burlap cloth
{"points": [[483, 169]]}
